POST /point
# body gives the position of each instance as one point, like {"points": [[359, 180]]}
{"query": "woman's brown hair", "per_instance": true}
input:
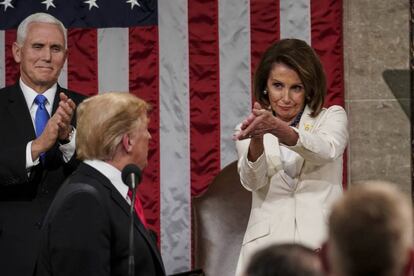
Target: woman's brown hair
{"points": [[299, 56]]}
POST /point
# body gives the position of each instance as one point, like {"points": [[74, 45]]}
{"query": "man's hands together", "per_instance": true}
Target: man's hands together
{"points": [[58, 127]]}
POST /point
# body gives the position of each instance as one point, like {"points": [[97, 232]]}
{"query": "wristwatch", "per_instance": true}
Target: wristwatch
{"points": [[70, 136]]}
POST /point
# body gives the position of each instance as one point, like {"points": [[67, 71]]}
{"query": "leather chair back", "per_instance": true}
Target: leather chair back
{"points": [[220, 218]]}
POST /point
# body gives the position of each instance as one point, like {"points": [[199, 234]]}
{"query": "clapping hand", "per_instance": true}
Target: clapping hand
{"points": [[65, 111], [259, 122]]}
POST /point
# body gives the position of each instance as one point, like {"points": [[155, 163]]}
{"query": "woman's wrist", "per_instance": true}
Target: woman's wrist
{"points": [[256, 148]]}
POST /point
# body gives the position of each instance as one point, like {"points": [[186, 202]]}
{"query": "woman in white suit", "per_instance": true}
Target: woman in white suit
{"points": [[290, 150]]}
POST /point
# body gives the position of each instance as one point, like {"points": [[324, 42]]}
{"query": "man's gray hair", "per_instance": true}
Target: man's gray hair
{"points": [[39, 17]]}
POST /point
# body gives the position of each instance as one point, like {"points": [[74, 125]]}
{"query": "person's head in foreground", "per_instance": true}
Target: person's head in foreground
{"points": [[285, 260], [370, 232]]}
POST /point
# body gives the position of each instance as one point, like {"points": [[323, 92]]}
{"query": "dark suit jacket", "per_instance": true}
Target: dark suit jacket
{"points": [[86, 232], [24, 200]]}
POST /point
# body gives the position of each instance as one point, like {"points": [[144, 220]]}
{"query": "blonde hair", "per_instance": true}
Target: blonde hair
{"points": [[103, 119], [371, 230]]}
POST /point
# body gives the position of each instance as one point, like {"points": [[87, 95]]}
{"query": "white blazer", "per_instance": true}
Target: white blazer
{"points": [[294, 209]]}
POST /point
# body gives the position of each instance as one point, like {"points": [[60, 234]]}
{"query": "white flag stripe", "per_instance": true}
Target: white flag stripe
{"points": [[295, 19], [175, 168], [113, 65], [2, 60], [63, 77], [235, 88]]}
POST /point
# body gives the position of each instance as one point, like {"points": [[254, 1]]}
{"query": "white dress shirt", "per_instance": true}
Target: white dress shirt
{"points": [[113, 174]]}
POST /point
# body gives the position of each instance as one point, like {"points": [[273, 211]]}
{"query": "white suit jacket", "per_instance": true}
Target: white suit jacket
{"points": [[294, 210]]}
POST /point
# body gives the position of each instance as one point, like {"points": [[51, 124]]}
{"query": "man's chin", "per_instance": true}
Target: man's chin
{"points": [[46, 82]]}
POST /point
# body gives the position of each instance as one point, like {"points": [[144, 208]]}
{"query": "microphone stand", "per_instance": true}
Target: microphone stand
{"points": [[131, 260]]}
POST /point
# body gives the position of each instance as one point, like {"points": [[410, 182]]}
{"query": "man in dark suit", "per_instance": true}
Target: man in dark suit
{"points": [[36, 152], [86, 230]]}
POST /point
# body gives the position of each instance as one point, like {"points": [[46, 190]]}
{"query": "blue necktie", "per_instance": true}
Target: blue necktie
{"points": [[41, 118]]}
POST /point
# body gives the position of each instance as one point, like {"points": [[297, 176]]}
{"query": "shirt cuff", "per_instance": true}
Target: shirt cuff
{"points": [[256, 164], [29, 159], [298, 143], [68, 150]]}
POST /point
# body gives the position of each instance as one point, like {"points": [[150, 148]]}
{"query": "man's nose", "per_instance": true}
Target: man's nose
{"points": [[46, 54]]}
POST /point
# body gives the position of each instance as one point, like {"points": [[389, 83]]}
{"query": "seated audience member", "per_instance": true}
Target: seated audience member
{"points": [[86, 230], [285, 260], [370, 233]]}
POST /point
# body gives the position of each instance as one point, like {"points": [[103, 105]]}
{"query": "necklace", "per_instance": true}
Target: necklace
{"points": [[297, 119], [295, 122]]}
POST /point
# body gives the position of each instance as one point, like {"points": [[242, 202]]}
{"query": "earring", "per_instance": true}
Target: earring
{"points": [[265, 91]]}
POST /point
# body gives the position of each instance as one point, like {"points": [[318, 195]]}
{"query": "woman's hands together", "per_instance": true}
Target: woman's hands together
{"points": [[262, 121], [259, 122]]}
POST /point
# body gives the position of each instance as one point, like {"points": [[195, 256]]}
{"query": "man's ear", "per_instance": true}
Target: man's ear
{"points": [[323, 255], [16, 49], [126, 143], [409, 266], [66, 53]]}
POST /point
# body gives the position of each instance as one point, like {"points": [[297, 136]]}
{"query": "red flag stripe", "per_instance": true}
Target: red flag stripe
{"points": [[144, 83], [204, 93], [12, 69], [326, 32], [83, 61]]}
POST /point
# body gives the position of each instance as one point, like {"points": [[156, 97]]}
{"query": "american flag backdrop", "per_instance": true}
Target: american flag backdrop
{"points": [[193, 60]]}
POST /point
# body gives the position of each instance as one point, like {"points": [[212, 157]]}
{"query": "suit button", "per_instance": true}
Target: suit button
{"points": [[38, 224], [45, 192]]}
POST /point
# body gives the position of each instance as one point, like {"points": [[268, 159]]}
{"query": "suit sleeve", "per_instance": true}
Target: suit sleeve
{"points": [[78, 237], [328, 141], [253, 175], [13, 165]]}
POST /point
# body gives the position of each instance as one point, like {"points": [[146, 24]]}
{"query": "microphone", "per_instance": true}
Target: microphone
{"points": [[131, 176]]}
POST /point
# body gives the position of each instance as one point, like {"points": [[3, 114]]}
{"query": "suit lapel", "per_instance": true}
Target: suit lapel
{"points": [[137, 222], [17, 107], [124, 206], [56, 100], [307, 124], [272, 148]]}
